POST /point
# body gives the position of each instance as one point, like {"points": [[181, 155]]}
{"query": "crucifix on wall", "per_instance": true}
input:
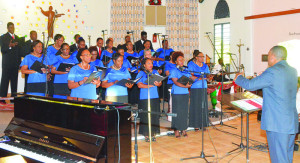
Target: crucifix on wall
{"points": [[51, 15]]}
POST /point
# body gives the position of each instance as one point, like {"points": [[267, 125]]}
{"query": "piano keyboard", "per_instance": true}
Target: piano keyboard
{"points": [[35, 154]]}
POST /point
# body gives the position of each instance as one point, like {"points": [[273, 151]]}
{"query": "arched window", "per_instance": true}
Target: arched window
{"points": [[222, 10]]}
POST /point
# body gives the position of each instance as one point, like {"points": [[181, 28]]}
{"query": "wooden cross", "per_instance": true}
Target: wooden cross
{"points": [[240, 55]]}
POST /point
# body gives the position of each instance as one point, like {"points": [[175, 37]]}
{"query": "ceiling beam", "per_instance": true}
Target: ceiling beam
{"points": [[287, 12]]}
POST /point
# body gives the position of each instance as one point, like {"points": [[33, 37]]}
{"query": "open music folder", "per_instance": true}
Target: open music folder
{"points": [[249, 104]]}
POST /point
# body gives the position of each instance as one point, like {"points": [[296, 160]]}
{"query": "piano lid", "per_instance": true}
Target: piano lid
{"points": [[68, 100]]}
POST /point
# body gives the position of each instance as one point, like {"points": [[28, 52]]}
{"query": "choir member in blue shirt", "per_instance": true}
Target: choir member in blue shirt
{"points": [[147, 45], [94, 61], [108, 52], [36, 83], [78, 76], [130, 52], [126, 63], [133, 94], [81, 45], [198, 92], [180, 96], [116, 93], [165, 52], [60, 83], [168, 67], [147, 65], [53, 49]]}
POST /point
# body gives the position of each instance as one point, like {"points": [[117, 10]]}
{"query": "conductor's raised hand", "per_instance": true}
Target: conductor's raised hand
{"points": [[238, 74], [129, 85]]}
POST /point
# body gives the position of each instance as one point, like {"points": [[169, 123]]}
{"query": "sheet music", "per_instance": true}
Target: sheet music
{"points": [[249, 104]]}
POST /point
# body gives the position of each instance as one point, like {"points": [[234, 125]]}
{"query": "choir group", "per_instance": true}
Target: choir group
{"points": [[69, 68]]}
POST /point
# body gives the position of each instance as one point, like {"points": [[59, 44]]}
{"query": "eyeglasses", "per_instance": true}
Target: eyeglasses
{"points": [[86, 55]]}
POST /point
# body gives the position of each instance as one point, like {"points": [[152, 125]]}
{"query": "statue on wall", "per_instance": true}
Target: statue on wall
{"points": [[50, 14]]}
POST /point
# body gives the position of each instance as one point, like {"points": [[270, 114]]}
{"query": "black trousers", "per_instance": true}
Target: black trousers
{"points": [[9, 74]]}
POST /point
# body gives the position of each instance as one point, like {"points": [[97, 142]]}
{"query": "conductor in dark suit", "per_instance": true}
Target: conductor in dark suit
{"points": [[10, 49], [279, 113], [140, 44], [26, 49]]}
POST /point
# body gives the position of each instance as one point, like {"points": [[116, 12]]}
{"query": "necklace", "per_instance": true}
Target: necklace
{"points": [[56, 47], [109, 50], [83, 67], [115, 68]]}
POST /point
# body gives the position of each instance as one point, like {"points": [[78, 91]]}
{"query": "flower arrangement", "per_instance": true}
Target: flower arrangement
{"points": [[154, 2]]}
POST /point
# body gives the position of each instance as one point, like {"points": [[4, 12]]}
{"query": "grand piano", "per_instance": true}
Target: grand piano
{"points": [[46, 129]]}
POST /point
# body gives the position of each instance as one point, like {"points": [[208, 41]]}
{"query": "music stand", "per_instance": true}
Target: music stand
{"points": [[202, 154]]}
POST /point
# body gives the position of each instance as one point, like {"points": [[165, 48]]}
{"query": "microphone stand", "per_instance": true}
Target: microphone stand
{"points": [[214, 47], [149, 115], [164, 82], [89, 36], [104, 44], [45, 52], [135, 113], [202, 154]]}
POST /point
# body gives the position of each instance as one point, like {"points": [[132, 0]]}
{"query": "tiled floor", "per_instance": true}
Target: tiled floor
{"points": [[170, 149], [216, 142]]}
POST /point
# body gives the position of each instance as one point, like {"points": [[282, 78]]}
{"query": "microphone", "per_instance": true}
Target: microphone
{"points": [[180, 68], [104, 30], [157, 33], [164, 35], [128, 32], [207, 33], [55, 11]]}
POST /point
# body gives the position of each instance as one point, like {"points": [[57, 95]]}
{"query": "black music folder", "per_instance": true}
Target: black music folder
{"points": [[159, 67], [157, 78], [37, 66], [125, 81], [64, 66], [94, 76], [106, 58], [184, 80]]}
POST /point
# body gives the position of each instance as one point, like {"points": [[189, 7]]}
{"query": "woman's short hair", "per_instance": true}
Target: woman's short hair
{"points": [[176, 54]]}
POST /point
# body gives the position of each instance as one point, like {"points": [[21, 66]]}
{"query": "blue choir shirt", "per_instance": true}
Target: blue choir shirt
{"points": [[113, 75], [105, 52], [63, 78], [162, 55], [175, 73], [77, 74], [35, 77], [144, 91], [168, 67], [74, 54], [97, 63], [51, 51], [126, 63], [192, 66], [134, 54]]}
